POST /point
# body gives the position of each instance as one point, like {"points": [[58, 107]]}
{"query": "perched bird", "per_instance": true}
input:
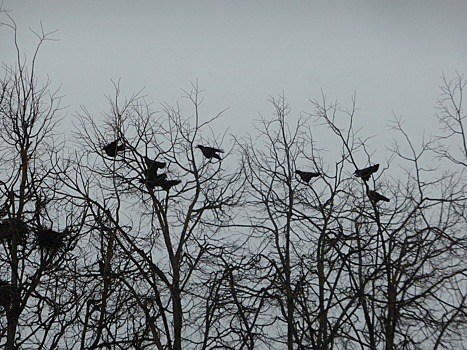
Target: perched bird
{"points": [[376, 197], [167, 184], [157, 180], [153, 163], [366, 173], [113, 148], [306, 176], [210, 152]]}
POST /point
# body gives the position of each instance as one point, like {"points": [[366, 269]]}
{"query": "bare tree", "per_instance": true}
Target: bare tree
{"points": [[349, 270], [405, 257], [451, 144], [293, 216], [148, 235], [158, 206], [38, 227]]}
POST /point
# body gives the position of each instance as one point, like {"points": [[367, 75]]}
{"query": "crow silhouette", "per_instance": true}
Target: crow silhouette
{"points": [[365, 174], [210, 152], [153, 163], [167, 184], [306, 176], [157, 180], [113, 148], [376, 197]]}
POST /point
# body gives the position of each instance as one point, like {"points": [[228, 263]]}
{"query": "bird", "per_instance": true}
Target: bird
{"points": [[366, 173], [157, 180], [167, 184], [306, 176], [210, 152], [154, 163], [376, 197], [113, 148]]}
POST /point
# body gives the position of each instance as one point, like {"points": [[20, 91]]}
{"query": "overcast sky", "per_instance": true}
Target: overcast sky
{"points": [[391, 53]]}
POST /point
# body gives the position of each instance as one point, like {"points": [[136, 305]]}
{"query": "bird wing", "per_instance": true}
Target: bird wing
{"points": [[212, 149], [377, 196]]}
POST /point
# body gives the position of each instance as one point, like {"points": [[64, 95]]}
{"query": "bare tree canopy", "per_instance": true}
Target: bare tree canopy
{"points": [[134, 235]]}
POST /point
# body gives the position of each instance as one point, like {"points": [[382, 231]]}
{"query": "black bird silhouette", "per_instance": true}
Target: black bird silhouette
{"points": [[157, 180], [153, 163], [210, 152], [365, 174], [376, 197], [306, 176], [167, 184], [113, 148]]}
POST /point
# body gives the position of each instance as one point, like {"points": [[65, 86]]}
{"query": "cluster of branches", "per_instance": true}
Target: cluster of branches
{"points": [[276, 245], [343, 269]]}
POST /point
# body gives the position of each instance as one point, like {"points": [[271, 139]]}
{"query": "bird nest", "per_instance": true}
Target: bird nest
{"points": [[50, 239], [12, 227], [6, 294]]}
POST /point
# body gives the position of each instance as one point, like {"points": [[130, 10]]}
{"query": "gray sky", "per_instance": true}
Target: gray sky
{"points": [[390, 52]]}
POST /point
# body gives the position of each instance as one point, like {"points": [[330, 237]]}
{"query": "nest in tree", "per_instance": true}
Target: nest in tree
{"points": [[12, 227], [50, 239], [6, 294]]}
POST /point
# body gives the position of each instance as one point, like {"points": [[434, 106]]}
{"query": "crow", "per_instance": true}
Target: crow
{"points": [[113, 148], [210, 152], [376, 197], [157, 180], [306, 176], [167, 184], [366, 173], [154, 163]]}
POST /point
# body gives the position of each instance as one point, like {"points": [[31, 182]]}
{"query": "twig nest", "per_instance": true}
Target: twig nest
{"points": [[49, 239], [6, 294], [11, 227]]}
